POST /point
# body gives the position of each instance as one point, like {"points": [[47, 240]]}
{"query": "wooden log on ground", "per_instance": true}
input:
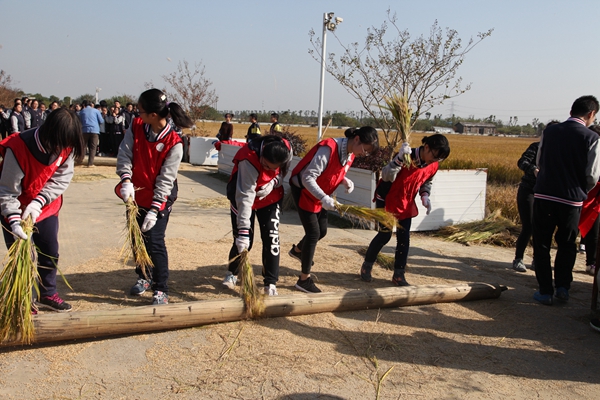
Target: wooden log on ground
{"points": [[54, 327]]}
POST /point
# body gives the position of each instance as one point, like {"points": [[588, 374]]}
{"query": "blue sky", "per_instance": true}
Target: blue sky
{"points": [[541, 56]]}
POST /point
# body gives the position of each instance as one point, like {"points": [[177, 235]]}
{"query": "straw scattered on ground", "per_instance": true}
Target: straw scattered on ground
{"points": [[216, 202], [494, 229]]}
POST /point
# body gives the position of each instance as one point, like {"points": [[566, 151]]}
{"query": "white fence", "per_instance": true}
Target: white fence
{"points": [[456, 195]]}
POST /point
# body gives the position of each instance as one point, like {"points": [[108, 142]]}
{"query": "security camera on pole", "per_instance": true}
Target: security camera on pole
{"points": [[329, 23]]}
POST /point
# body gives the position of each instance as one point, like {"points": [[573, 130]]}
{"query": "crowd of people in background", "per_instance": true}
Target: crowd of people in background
{"points": [[103, 124]]}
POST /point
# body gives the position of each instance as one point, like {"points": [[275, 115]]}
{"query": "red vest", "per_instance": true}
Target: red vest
{"points": [[400, 200], [329, 179], [36, 173], [148, 159], [590, 210], [264, 176]]}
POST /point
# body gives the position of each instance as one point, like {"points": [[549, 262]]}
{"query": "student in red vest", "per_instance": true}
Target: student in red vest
{"points": [[255, 189], [396, 193], [36, 169], [312, 183], [147, 163]]}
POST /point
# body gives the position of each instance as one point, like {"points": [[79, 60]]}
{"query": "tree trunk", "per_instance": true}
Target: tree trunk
{"points": [[54, 327]]}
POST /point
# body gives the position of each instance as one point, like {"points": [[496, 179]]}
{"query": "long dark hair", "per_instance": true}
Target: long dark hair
{"points": [[155, 101], [367, 135], [62, 130], [274, 150], [439, 143]]}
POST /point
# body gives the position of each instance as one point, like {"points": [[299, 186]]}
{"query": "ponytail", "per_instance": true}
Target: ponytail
{"points": [[155, 101]]}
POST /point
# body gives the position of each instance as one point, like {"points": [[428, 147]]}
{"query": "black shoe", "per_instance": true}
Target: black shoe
{"points": [[398, 279], [297, 254], [365, 271], [562, 294], [307, 286], [54, 303], [140, 287], [595, 324]]}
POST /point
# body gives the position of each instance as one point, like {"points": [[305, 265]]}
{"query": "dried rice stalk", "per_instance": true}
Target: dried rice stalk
{"points": [[365, 215], [383, 260], [17, 282], [250, 292], [398, 106], [133, 242], [494, 229]]}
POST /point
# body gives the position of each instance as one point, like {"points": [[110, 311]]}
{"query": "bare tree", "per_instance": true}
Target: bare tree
{"points": [[7, 92], [425, 68], [191, 89]]}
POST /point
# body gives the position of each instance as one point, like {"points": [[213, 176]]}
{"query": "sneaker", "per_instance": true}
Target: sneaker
{"points": [[545, 299], [54, 303], [518, 265], [595, 324], [271, 290], [365, 271], [140, 287], [590, 269], [562, 294], [398, 279], [230, 280], [582, 248], [307, 285], [297, 254], [160, 298]]}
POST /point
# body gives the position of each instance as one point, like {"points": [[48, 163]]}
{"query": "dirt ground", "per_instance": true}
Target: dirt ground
{"points": [[509, 347]]}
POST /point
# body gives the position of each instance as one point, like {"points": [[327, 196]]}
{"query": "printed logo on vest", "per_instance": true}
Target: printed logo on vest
{"points": [[160, 146]]}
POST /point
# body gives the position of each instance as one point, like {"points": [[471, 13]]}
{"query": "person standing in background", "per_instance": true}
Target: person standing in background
{"points": [[90, 126], [569, 166], [254, 129]]}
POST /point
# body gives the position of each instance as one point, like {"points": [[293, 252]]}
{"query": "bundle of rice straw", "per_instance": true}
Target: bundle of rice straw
{"points": [[17, 282], [365, 215], [398, 106], [250, 292], [133, 243], [494, 229], [383, 260]]}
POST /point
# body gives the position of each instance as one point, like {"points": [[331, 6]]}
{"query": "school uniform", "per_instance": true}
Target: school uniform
{"points": [[151, 160], [29, 173], [247, 177], [253, 132], [317, 175], [398, 198]]}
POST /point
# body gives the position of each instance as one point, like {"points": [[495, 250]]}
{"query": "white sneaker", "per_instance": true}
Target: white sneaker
{"points": [[271, 290], [230, 280]]}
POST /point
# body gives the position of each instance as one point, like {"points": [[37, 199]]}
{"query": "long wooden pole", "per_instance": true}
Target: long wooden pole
{"points": [[54, 327]]}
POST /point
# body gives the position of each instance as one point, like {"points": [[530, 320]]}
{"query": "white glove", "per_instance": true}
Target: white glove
{"points": [[328, 203], [266, 189], [16, 229], [348, 184], [34, 209], [405, 149], [127, 191], [242, 243], [149, 221], [426, 202]]}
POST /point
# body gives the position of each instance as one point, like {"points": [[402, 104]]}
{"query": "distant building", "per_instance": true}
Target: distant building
{"points": [[442, 129], [475, 128]]}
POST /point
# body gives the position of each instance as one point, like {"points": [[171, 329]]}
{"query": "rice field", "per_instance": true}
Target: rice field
{"points": [[498, 154]]}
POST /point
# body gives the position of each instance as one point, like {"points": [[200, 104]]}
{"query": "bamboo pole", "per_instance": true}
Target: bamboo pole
{"points": [[54, 327]]}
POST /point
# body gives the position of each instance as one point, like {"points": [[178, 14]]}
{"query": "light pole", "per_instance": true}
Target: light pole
{"points": [[329, 23], [97, 91]]}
